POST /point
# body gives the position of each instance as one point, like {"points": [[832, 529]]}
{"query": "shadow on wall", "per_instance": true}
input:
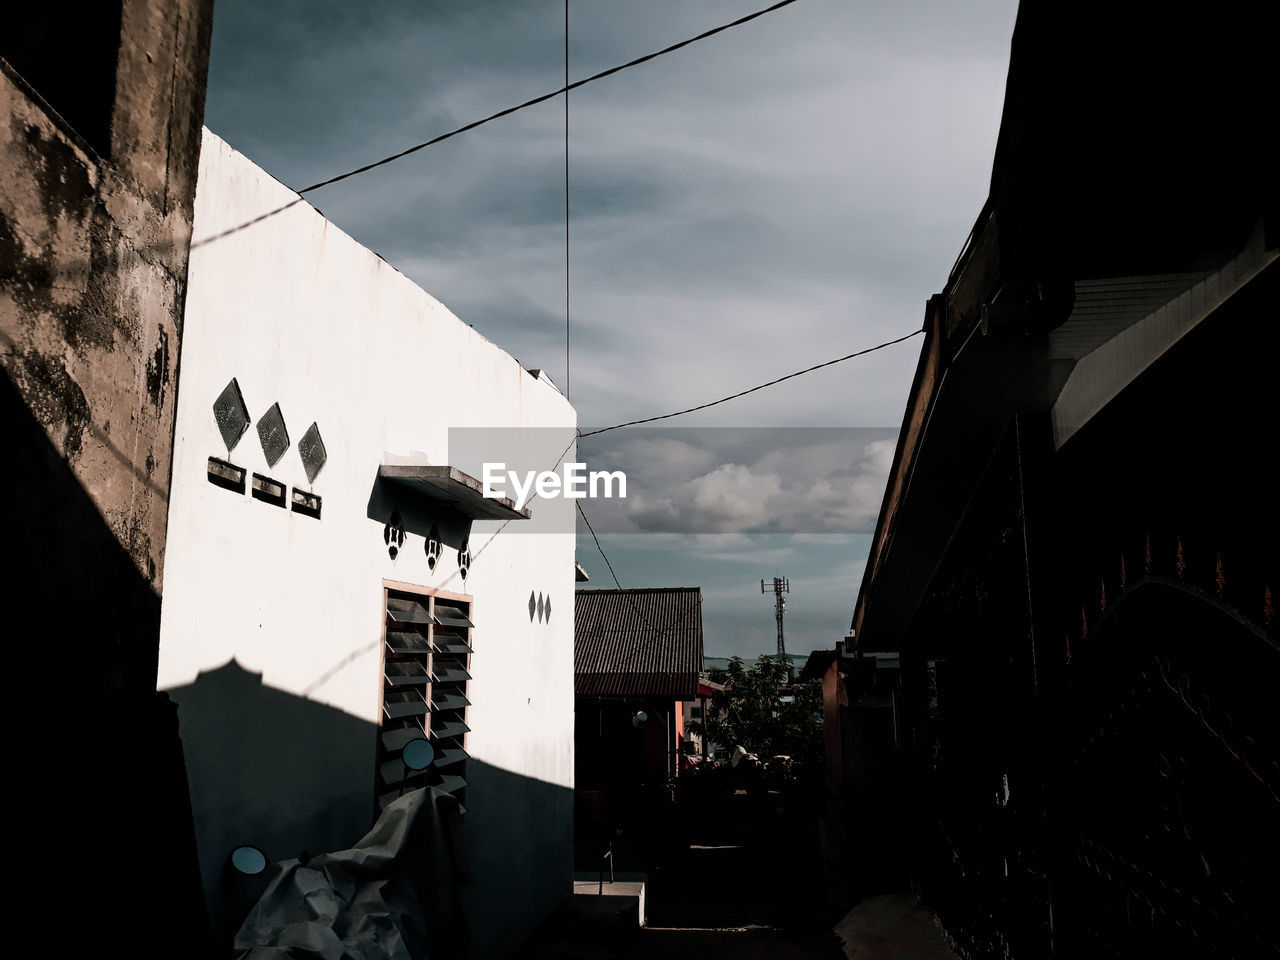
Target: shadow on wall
{"points": [[270, 769], [401, 511], [296, 778], [103, 829]]}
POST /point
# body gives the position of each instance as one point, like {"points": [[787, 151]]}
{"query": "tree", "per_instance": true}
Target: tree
{"points": [[767, 714]]}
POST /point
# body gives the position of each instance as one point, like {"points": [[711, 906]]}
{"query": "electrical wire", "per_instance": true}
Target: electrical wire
{"points": [[667, 416], [591, 529], [547, 96], [479, 123], [658, 633], [743, 393], [566, 199], [541, 99], [248, 223]]}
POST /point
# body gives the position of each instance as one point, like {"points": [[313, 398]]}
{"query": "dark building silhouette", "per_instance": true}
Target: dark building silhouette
{"points": [[100, 113], [1076, 557], [637, 655]]}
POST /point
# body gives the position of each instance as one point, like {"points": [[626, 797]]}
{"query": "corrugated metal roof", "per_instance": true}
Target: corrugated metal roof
{"points": [[645, 642]]}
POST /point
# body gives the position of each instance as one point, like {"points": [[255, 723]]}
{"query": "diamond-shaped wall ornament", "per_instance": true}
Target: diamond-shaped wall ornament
{"points": [[311, 450], [533, 605], [539, 608], [273, 435], [548, 608], [231, 413]]}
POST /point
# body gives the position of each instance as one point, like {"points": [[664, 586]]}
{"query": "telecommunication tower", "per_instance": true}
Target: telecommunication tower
{"points": [[779, 586]]}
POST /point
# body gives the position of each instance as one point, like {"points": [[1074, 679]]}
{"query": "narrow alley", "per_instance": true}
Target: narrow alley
{"points": [[560, 480], [735, 872]]}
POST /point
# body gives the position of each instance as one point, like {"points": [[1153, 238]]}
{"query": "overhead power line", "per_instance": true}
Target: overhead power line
{"points": [[743, 393], [592, 531], [479, 123], [566, 199], [667, 416], [658, 633], [547, 96]]}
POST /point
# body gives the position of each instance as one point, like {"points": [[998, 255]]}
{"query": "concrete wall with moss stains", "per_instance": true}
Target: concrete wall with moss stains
{"points": [[95, 226], [93, 260]]}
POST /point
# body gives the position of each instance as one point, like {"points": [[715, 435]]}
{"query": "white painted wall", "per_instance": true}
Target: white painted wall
{"points": [[302, 315]]}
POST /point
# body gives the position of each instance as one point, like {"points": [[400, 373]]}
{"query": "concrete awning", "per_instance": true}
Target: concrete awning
{"points": [[449, 486]]}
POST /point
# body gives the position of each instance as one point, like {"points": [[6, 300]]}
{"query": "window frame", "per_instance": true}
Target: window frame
{"points": [[448, 676]]}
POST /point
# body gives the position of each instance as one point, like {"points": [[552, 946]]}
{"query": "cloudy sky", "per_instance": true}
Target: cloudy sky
{"points": [[772, 197]]}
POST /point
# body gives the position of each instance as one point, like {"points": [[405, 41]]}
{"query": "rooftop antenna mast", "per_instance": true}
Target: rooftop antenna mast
{"points": [[779, 586]]}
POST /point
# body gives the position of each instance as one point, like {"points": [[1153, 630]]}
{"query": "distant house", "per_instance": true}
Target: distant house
{"points": [[337, 586], [637, 657], [696, 742], [1076, 559]]}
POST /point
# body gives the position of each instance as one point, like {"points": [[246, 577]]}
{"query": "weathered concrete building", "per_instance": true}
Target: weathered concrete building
{"points": [[336, 589], [1076, 558], [100, 115]]}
